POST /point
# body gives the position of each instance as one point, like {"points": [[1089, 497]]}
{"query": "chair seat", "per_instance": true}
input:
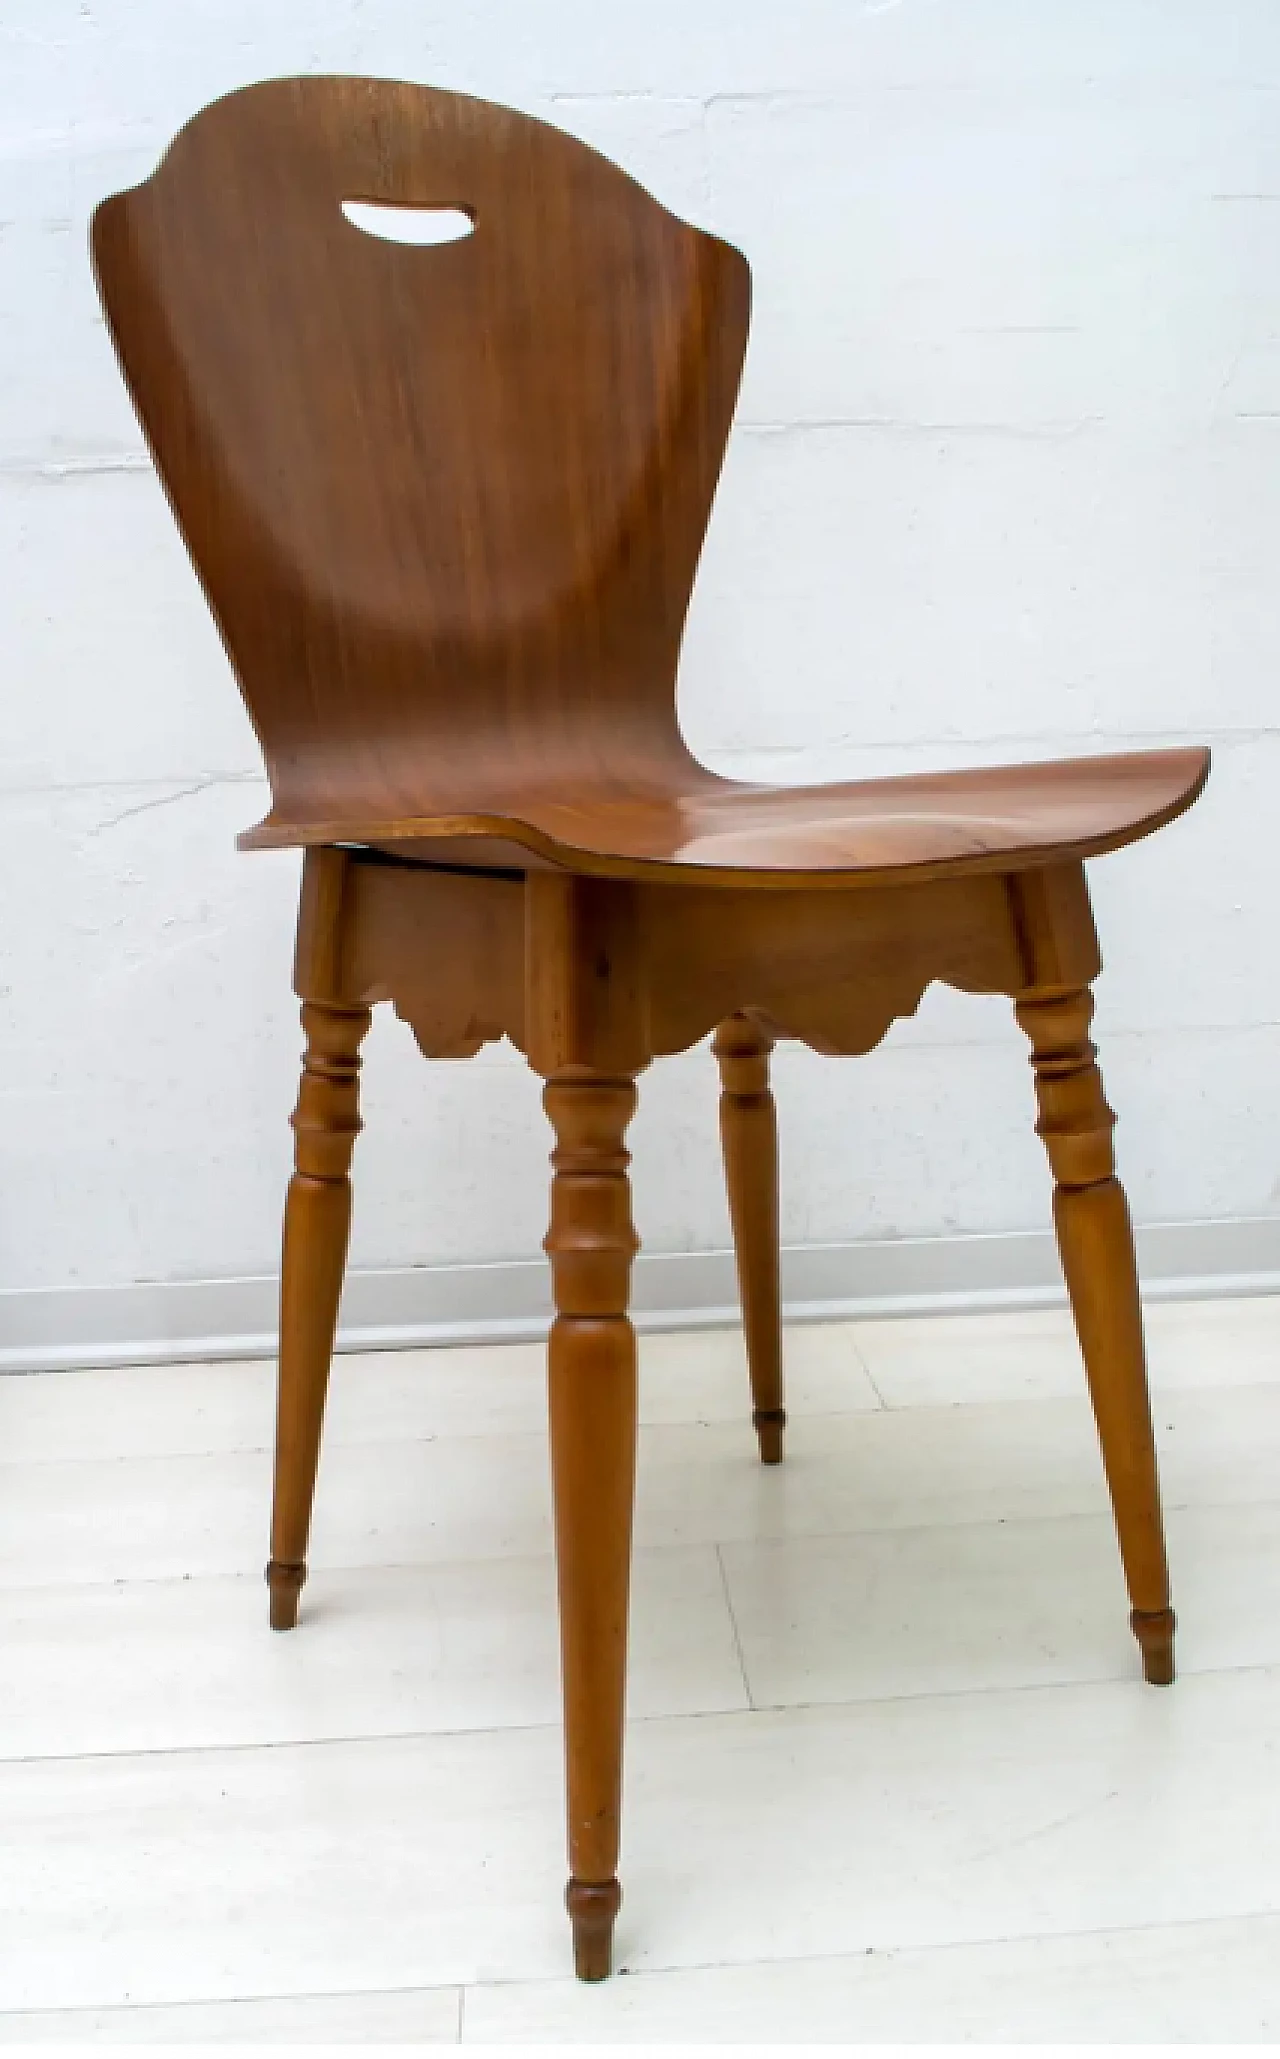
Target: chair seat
{"points": [[724, 832]]}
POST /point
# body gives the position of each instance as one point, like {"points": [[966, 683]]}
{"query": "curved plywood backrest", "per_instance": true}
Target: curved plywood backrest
{"points": [[446, 499]]}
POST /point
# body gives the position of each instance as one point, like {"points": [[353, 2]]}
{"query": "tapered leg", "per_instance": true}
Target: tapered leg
{"points": [[592, 1385], [749, 1138], [1095, 1238], [316, 1225]]}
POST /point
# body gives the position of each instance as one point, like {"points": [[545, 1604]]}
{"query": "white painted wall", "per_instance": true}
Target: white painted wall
{"points": [[1006, 482]]}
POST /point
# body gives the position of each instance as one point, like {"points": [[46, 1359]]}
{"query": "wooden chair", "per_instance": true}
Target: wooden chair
{"points": [[446, 505]]}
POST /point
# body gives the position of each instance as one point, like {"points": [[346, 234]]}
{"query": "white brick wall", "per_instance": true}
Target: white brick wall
{"points": [[1006, 482]]}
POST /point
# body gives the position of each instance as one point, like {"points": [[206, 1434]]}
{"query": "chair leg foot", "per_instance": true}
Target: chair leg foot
{"points": [[284, 1585], [1154, 1630], [770, 1424], [593, 1910]]}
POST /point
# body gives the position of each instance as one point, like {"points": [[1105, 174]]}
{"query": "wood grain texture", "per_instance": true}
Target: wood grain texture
{"points": [[446, 949], [749, 1142], [317, 1221], [918, 826], [593, 1404], [834, 969], [1095, 1238], [455, 610], [587, 1024]]}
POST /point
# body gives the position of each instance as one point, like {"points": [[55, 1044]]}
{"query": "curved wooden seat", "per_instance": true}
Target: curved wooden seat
{"points": [[452, 580], [733, 834], [446, 504]]}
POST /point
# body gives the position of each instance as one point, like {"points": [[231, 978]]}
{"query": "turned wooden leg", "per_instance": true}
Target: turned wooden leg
{"points": [[317, 1221], [749, 1138], [592, 1385], [1095, 1238]]}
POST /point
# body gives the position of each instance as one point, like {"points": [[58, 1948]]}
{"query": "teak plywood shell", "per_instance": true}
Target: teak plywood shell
{"points": [[446, 503]]}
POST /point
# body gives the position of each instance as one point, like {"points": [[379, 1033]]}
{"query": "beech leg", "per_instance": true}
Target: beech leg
{"points": [[1095, 1238], [749, 1140], [317, 1223]]}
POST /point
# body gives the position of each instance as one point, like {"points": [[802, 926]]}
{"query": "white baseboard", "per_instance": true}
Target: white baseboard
{"points": [[47, 1329]]}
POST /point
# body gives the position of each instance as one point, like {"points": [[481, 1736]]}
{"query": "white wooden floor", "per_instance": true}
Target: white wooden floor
{"points": [[892, 1770]]}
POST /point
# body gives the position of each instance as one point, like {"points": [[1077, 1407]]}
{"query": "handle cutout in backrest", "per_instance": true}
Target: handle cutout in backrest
{"points": [[422, 225]]}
